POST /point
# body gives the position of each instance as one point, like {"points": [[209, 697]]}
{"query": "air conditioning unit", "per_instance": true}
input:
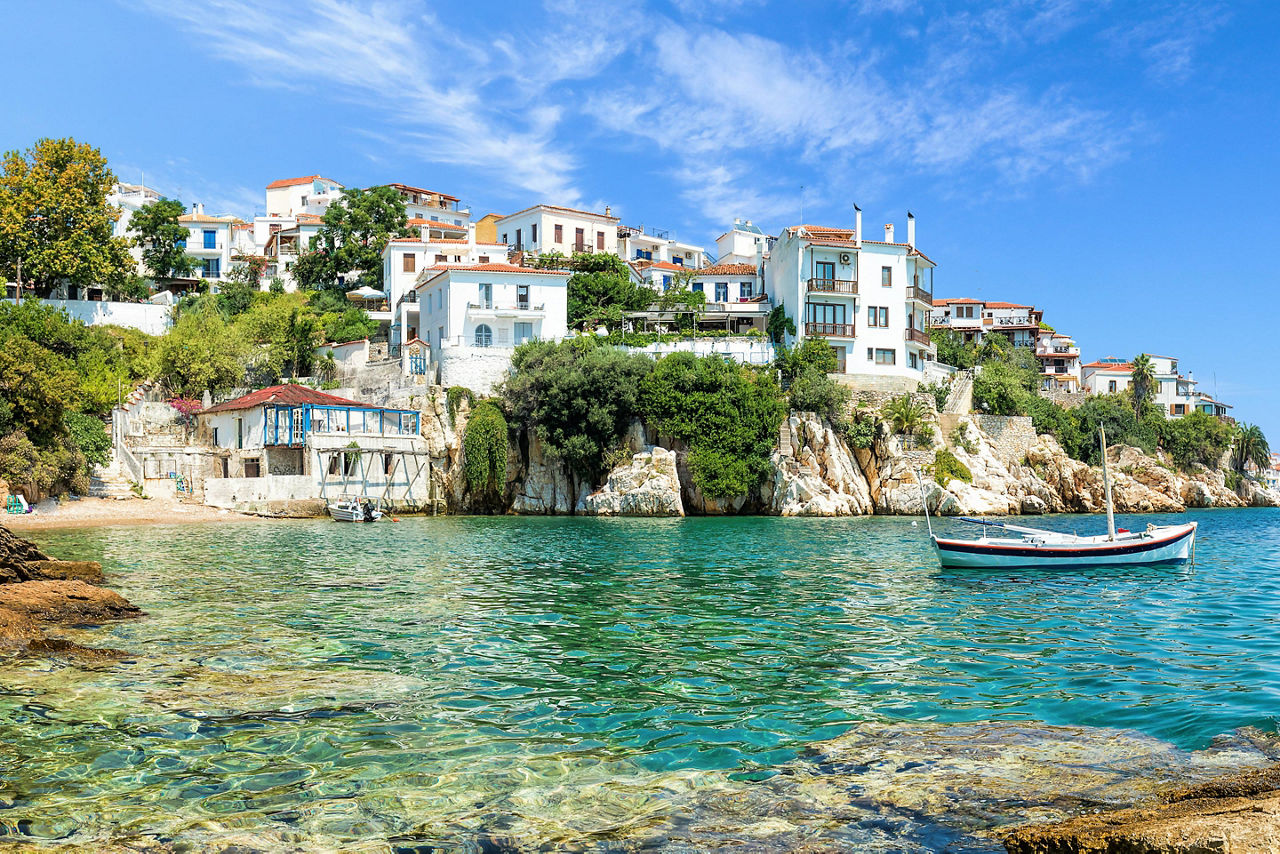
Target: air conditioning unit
{"points": [[844, 257]]}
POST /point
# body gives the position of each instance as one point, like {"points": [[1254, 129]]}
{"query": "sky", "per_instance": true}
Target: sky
{"points": [[1113, 163]]}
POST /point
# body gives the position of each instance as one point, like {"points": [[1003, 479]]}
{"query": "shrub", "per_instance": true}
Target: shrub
{"points": [[814, 391], [811, 353], [728, 415], [1197, 438], [925, 434], [454, 397], [940, 392], [947, 468], [89, 435], [905, 414], [960, 438], [484, 449], [860, 430]]}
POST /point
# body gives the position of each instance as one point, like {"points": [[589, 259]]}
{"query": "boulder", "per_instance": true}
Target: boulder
{"points": [[546, 488], [648, 485], [16, 554], [89, 571], [814, 473], [65, 602]]}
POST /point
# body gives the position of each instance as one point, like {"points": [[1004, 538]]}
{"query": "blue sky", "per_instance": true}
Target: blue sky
{"points": [[1114, 163]]}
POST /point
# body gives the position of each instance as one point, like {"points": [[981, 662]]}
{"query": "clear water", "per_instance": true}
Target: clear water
{"points": [[337, 682]]}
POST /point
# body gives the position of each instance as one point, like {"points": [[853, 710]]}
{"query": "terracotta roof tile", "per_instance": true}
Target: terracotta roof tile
{"points": [[290, 394], [727, 270], [294, 182]]}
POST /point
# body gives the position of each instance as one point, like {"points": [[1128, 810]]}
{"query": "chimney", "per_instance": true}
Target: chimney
{"points": [[888, 232], [760, 263], [857, 226], [737, 222], [608, 211], [748, 223], [911, 229]]}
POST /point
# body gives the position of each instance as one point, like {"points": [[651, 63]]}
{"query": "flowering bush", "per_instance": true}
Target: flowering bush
{"points": [[187, 408]]}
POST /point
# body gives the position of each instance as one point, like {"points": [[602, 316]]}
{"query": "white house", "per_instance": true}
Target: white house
{"points": [[311, 194], [403, 261], [1059, 358], [744, 243], [210, 242], [868, 299], [471, 317], [1174, 393], [293, 443], [973, 319], [430, 206], [656, 246], [547, 228]]}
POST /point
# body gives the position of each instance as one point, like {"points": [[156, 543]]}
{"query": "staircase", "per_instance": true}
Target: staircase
{"points": [[960, 401], [109, 481]]}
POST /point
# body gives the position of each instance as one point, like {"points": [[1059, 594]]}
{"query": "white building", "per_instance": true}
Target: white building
{"points": [[744, 243], [311, 194], [472, 317], [973, 319], [210, 242], [547, 228], [428, 206], [1174, 393], [868, 299], [1059, 358], [405, 258], [653, 245]]}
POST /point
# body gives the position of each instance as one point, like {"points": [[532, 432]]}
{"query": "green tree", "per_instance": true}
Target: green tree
{"points": [[353, 324], [36, 384], [1250, 447], [576, 397], [905, 414], [951, 348], [727, 414], [162, 239], [1114, 412], [89, 435], [601, 290], [485, 450], [286, 334], [779, 324], [1195, 439], [203, 352], [55, 223], [241, 287], [1144, 381], [812, 353], [356, 229], [314, 270]]}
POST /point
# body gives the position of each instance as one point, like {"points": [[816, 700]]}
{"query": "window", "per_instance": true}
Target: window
{"points": [[410, 262], [484, 259], [666, 282], [239, 434], [388, 463], [579, 239], [1111, 386], [182, 242], [210, 239], [522, 296], [524, 331], [886, 357], [599, 241], [878, 316], [533, 234], [504, 237], [215, 439], [722, 291], [826, 270], [253, 467], [822, 312], [871, 354], [440, 337], [559, 234], [746, 290], [886, 276], [211, 268], [914, 361], [484, 335], [519, 243], [486, 295], [442, 259], [697, 287]]}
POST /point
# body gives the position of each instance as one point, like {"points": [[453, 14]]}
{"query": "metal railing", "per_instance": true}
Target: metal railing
{"points": [[583, 246], [833, 286], [836, 330], [919, 294], [919, 336]]}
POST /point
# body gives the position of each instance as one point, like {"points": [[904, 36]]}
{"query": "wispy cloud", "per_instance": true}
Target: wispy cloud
{"points": [[1170, 37]]}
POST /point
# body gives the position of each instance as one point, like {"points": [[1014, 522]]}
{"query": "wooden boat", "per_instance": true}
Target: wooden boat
{"points": [[349, 508], [1034, 547]]}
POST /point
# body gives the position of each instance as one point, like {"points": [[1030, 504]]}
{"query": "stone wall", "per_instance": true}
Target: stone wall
{"points": [[876, 399], [1011, 435], [1065, 399], [888, 385], [476, 368]]}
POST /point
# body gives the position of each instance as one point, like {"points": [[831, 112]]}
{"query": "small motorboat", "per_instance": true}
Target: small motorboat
{"points": [[350, 508], [1026, 547]]}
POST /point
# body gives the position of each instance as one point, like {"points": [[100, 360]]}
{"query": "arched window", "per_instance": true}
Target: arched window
{"points": [[484, 335]]}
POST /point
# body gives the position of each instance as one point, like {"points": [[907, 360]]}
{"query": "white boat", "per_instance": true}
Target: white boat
{"points": [[1018, 546], [352, 509]]}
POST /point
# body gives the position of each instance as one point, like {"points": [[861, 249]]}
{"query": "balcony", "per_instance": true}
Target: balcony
{"points": [[582, 246], [1024, 320], [918, 336], [833, 286], [1057, 351], [829, 330], [521, 308], [919, 294]]}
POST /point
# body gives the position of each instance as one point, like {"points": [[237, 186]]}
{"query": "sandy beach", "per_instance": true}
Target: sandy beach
{"points": [[96, 512]]}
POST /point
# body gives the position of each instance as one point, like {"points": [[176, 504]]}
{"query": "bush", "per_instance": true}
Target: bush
{"points": [[905, 414], [811, 353], [947, 468], [860, 431], [960, 438], [1059, 422], [728, 415], [453, 399], [940, 392], [485, 450], [814, 391], [89, 435]]}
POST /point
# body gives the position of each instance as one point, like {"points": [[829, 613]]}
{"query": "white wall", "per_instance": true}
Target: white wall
{"points": [[748, 351], [225, 422], [144, 316], [547, 218], [476, 368], [445, 301]]}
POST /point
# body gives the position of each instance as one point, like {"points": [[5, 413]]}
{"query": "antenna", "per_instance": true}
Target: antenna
{"points": [[802, 203]]}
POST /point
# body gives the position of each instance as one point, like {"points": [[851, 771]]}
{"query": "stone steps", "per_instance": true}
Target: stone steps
{"points": [[109, 481]]}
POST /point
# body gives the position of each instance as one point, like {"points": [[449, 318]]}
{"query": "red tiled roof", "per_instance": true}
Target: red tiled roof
{"points": [[417, 220], [309, 217], [727, 270], [291, 394], [667, 265], [294, 182], [564, 210], [424, 192], [1007, 305]]}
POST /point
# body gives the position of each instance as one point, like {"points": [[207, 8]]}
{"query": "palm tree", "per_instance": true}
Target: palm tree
{"points": [[905, 414], [1144, 381], [1250, 447]]}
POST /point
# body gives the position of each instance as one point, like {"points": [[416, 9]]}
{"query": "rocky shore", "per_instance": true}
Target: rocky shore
{"points": [[38, 593], [815, 472]]}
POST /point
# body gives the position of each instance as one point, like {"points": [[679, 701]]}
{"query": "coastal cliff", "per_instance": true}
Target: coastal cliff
{"points": [[38, 593], [815, 472]]}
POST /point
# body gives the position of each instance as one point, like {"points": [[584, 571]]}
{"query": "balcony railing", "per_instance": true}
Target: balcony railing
{"points": [[833, 286], [520, 306], [831, 330], [583, 246], [919, 294], [1014, 321], [919, 336]]}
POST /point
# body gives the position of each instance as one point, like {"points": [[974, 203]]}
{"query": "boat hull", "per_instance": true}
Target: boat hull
{"points": [[1169, 545], [350, 514]]}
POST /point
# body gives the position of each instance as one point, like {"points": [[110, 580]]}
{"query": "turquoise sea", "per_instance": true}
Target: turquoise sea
{"points": [[336, 685]]}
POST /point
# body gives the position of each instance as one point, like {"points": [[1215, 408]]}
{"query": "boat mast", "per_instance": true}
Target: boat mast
{"points": [[1106, 485]]}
